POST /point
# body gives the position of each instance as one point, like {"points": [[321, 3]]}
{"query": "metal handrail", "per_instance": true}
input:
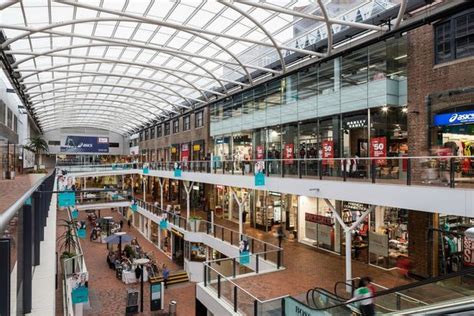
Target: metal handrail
{"points": [[10, 212]]}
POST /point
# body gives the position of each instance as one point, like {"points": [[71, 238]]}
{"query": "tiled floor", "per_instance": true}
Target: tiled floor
{"points": [[107, 294], [12, 190]]}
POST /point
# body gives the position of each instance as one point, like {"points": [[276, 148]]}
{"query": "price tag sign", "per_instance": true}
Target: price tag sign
{"points": [[378, 148]]}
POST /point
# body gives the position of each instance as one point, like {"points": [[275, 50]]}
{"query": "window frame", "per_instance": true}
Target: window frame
{"points": [[176, 126], [167, 128], [197, 120], [187, 122], [453, 36]]}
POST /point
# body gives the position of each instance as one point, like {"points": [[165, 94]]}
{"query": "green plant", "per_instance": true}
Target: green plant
{"points": [[129, 251], [66, 255], [38, 145], [195, 218], [68, 239]]}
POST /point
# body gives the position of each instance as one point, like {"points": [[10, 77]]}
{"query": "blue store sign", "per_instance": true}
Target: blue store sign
{"points": [[454, 118]]}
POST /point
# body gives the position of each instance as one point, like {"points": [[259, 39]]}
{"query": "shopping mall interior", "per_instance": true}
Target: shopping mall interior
{"points": [[234, 157]]}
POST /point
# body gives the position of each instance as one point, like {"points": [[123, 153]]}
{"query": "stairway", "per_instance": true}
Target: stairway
{"points": [[175, 278]]}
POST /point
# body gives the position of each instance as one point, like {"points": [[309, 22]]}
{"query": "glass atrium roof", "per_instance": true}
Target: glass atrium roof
{"points": [[121, 64]]}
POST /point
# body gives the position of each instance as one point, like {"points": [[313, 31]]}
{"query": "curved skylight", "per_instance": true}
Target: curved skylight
{"points": [[121, 64]]}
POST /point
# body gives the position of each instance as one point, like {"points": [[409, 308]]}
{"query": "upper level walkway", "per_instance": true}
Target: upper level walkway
{"points": [[429, 184], [12, 190]]}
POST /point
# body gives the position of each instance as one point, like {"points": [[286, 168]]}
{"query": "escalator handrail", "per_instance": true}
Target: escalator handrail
{"points": [[409, 286]]}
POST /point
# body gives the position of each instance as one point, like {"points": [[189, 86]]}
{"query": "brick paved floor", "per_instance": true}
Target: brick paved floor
{"points": [[12, 190], [107, 294]]}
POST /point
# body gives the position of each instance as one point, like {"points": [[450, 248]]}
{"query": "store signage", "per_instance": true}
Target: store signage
{"points": [[67, 199], [177, 233], [294, 307], [196, 147], [288, 154], [145, 168], [80, 295], [378, 148], [354, 206], [74, 214], [327, 151], [177, 172], [222, 140], [85, 144], [260, 152], [174, 150], [454, 118], [356, 123], [319, 219], [378, 244], [244, 250], [134, 207], [184, 152]]}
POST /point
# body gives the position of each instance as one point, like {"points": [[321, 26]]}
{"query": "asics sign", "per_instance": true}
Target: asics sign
{"points": [[454, 118]]}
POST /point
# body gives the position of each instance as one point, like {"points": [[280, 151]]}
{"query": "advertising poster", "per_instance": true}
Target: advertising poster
{"points": [[28, 158], [80, 287], [185, 152], [85, 144], [378, 148], [134, 206], [260, 152], [288, 154], [146, 168], [468, 253], [244, 251], [327, 152], [156, 297], [66, 183], [259, 173]]}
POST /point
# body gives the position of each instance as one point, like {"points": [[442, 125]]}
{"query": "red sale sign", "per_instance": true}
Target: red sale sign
{"points": [[327, 151], [378, 148], [288, 154], [184, 152], [260, 152]]}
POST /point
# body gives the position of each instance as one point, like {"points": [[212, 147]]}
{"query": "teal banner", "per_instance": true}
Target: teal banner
{"points": [[244, 257], [177, 173], [259, 179], [134, 207], [145, 170], [75, 214], [66, 199], [163, 224], [80, 295], [114, 166], [28, 201], [81, 233]]}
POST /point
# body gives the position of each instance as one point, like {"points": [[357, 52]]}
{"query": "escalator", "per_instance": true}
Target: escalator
{"points": [[427, 297]]}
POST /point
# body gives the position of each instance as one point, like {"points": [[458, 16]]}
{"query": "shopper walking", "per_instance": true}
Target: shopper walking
{"points": [[166, 275], [280, 235], [363, 297]]}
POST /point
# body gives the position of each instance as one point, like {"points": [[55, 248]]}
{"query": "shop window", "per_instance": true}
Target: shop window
{"points": [[54, 143], [167, 128], [176, 126], [186, 123], [152, 132], [159, 131], [199, 119], [147, 134], [454, 38], [217, 112], [2, 112], [140, 136], [307, 83], [15, 124], [10, 119], [197, 252], [247, 102]]}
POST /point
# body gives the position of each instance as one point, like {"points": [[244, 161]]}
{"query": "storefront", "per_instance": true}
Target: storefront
{"points": [[316, 225], [174, 152], [199, 152], [452, 134], [194, 251], [165, 241], [177, 246], [227, 206], [274, 208]]}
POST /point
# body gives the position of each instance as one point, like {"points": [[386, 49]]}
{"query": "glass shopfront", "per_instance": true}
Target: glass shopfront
{"points": [[195, 251], [317, 226], [273, 208]]}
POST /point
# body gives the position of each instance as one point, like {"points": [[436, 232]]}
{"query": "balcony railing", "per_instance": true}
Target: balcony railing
{"points": [[450, 171]]}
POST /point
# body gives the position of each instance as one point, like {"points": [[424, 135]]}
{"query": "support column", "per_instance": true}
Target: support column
{"points": [[133, 189], [188, 197], [161, 182], [348, 236], [240, 202]]}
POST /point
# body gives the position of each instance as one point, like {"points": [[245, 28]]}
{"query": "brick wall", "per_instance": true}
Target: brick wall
{"points": [[424, 79]]}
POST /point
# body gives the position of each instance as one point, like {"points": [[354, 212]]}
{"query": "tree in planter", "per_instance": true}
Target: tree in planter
{"points": [[68, 239], [38, 145]]}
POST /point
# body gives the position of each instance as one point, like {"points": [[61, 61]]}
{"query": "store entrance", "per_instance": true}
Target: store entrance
{"points": [[178, 247]]}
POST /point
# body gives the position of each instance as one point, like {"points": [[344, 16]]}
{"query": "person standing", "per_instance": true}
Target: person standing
{"points": [[129, 223], [121, 224]]}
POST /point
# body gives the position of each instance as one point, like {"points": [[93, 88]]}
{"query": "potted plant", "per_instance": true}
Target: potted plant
{"points": [[194, 222], [69, 243]]}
